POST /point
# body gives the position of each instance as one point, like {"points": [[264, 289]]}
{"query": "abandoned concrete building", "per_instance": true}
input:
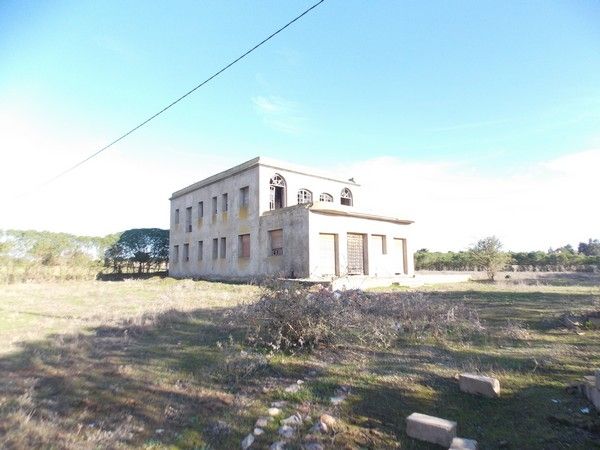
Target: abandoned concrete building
{"points": [[267, 218]]}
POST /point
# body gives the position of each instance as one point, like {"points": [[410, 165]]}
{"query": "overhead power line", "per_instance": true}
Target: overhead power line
{"points": [[174, 102]]}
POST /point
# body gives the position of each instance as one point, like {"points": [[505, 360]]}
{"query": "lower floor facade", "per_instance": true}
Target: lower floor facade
{"points": [[313, 241]]}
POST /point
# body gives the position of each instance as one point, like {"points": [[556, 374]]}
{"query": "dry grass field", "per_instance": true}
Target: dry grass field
{"points": [[161, 363]]}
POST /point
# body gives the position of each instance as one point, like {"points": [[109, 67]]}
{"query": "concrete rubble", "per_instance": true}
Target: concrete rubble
{"points": [[463, 444], [479, 385], [431, 429], [591, 388]]}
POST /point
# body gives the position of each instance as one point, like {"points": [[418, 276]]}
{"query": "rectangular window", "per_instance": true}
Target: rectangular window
{"points": [[188, 219], [244, 246], [200, 210], [200, 250], [223, 248], [215, 249], [176, 218], [214, 205], [224, 203], [175, 253], [186, 252], [276, 240], [244, 197], [379, 243]]}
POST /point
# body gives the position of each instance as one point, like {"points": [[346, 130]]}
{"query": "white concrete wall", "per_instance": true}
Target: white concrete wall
{"points": [[296, 181], [376, 264]]}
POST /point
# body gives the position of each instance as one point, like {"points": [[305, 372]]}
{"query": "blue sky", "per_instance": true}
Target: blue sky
{"points": [[496, 87]]}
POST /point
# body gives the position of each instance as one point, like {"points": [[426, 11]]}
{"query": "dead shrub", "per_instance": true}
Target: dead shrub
{"points": [[298, 318], [515, 331]]}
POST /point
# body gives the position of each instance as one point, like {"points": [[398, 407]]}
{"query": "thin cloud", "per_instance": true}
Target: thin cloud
{"points": [[469, 125], [279, 114]]}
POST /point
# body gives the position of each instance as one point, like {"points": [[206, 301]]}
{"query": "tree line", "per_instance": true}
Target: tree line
{"points": [[566, 258], [29, 255]]}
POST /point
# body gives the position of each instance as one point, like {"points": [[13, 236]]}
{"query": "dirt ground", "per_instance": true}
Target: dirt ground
{"points": [[160, 364]]}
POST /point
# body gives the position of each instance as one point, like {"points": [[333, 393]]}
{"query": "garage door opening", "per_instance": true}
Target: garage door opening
{"points": [[327, 257]]}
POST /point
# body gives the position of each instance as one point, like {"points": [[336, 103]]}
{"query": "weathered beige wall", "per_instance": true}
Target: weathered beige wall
{"points": [[230, 225]]}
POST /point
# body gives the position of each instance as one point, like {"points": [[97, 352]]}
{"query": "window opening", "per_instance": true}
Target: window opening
{"points": [[223, 248], [325, 197], [346, 197], [276, 238], [244, 246], [188, 219], [304, 196], [277, 188]]}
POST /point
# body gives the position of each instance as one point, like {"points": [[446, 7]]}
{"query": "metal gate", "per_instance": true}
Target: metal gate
{"points": [[356, 255]]}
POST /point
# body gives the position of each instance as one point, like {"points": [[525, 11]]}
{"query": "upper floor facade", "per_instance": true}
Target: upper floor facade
{"points": [[245, 192]]}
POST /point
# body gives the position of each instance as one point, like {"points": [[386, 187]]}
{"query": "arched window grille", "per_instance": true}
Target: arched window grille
{"points": [[304, 196], [346, 197], [277, 189], [325, 197]]}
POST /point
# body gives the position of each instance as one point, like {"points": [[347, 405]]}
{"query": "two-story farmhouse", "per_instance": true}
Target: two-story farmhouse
{"points": [[267, 218]]}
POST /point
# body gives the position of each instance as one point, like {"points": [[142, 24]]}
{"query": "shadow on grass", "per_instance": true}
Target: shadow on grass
{"points": [[168, 381], [524, 417], [177, 380]]}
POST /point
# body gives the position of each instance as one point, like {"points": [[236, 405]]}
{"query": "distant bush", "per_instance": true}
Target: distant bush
{"points": [[301, 319], [562, 259]]}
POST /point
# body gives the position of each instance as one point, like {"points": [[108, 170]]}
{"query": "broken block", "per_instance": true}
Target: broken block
{"points": [[463, 444], [478, 384], [430, 429], [591, 391]]}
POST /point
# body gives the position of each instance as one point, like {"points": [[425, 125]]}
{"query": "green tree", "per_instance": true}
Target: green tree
{"points": [[591, 248], [487, 254], [144, 247]]}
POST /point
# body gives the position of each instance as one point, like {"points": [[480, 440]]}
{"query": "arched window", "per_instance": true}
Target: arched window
{"points": [[346, 197], [325, 197], [304, 196], [277, 188]]}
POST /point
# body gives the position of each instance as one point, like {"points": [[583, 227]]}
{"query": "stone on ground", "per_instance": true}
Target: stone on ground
{"points": [[258, 431], [292, 388], [478, 384], [274, 411], [278, 404], [247, 442], [262, 422], [431, 429], [463, 444], [318, 427], [313, 446], [328, 420], [286, 431], [278, 445], [591, 391], [292, 420], [337, 400]]}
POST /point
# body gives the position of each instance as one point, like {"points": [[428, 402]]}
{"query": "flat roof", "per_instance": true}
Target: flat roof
{"points": [[259, 161], [339, 210], [349, 211]]}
